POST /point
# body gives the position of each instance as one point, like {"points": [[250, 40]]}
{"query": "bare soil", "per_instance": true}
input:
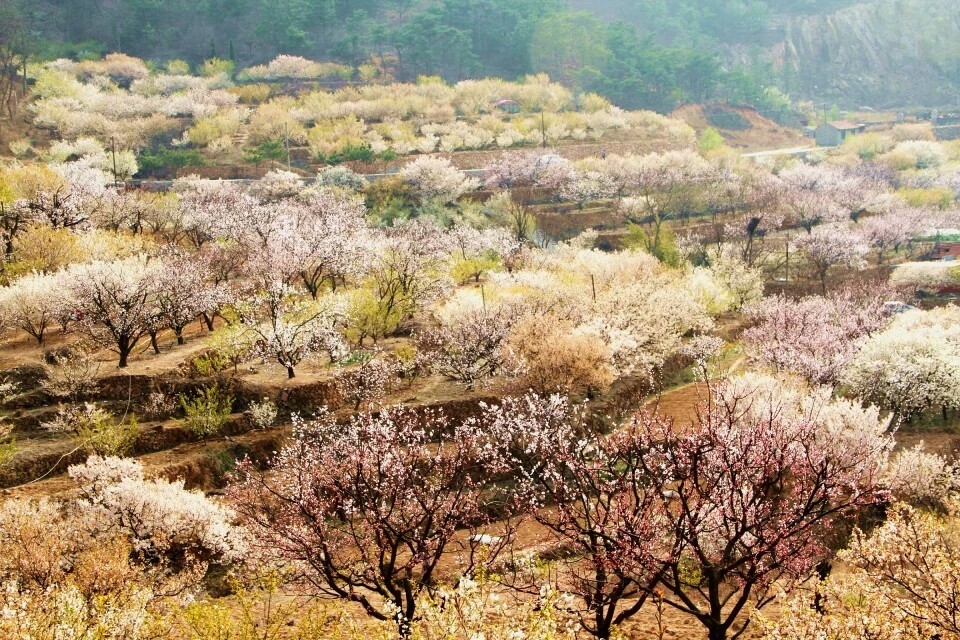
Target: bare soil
{"points": [[762, 135]]}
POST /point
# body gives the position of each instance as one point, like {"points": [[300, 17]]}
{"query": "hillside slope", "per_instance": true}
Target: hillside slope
{"points": [[880, 53]]}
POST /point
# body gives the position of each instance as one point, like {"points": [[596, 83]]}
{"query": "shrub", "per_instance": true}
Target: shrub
{"points": [[709, 140], [929, 154], [558, 359], [71, 374], [159, 405], [341, 177], [263, 414], [215, 67], [251, 93], [178, 67], [923, 479], [210, 364], [103, 434], [151, 161], [265, 151], [939, 197], [867, 146], [100, 432], [369, 383], [208, 410], [905, 132]]}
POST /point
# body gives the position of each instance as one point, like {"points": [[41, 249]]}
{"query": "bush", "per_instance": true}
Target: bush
{"points": [[210, 364], [263, 414], [354, 153], [558, 359], [709, 140], [216, 66], [341, 177], [251, 93], [103, 434], [265, 151], [923, 479], [151, 162], [207, 412], [100, 432], [867, 146], [929, 154], [939, 197], [71, 375]]}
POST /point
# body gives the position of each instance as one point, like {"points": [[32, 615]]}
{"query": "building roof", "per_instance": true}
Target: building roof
{"points": [[844, 125]]}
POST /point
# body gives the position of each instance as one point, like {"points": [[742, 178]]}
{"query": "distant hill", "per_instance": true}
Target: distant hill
{"points": [[878, 53], [881, 53]]}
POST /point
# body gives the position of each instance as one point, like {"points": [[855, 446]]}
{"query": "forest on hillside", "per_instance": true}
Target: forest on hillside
{"points": [[646, 54]]}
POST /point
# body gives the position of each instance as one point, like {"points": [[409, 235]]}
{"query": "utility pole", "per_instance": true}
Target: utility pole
{"points": [[593, 285], [286, 137], [543, 128]]}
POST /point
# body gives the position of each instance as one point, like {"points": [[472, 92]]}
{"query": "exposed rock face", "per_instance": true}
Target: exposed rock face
{"points": [[879, 53]]}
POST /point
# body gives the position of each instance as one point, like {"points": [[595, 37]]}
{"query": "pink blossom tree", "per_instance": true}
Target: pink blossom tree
{"points": [[813, 194], [184, 292], [890, 231], [814, 337], [334, 241], [370, 509], [468, 340], [751, 492], [829, 246], [527, 169], [591, 494]]}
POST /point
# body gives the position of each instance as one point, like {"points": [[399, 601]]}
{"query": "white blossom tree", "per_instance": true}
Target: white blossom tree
{"points": [[288, 328], [435, 178], [115, 301]]}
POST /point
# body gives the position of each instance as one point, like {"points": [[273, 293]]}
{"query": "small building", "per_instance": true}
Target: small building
{"points": [[946, 251], [832, 134], [508, 106]]}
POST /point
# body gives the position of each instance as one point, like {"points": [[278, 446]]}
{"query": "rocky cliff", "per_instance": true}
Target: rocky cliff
{"points": [[882, 53]]}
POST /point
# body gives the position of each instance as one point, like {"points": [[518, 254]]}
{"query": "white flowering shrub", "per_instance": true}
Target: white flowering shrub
{"points": [[924, 276], [435, 178], [912, 366], [928, 153], [263, 414], [922, 478], [158, 516]]}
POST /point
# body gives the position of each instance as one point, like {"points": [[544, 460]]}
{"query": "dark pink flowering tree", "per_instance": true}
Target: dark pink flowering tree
{"points": [[366, 511], [752, 491], [590, 493], [814, 337]]}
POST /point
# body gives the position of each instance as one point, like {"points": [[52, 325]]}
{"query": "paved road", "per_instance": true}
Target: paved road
{"points": [[796, 151]]}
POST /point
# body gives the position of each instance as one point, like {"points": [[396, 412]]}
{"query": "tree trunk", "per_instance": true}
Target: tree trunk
{"points": [[153, 342], [717, 632], [290, 373], [208, 320]]}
